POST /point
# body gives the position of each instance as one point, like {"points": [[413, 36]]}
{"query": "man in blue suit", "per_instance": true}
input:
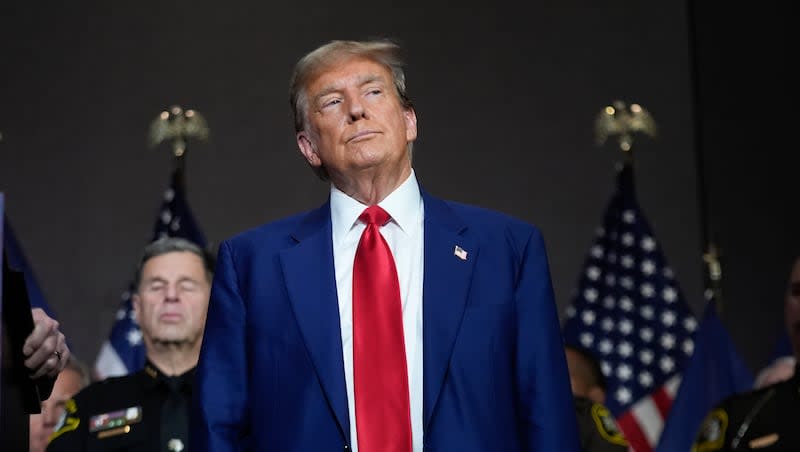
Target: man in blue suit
{"points": [[386, 319]]}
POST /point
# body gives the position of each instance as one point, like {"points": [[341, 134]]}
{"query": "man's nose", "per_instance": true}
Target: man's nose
{"points": [[356, 109], [171, 293]]}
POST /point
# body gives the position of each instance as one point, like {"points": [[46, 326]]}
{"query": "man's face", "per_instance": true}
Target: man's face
{"points": [[43, 425], [355, 122], [172, 299], [792, 307]]}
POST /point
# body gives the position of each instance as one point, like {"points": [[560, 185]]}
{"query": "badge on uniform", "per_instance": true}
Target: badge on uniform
{"points": [[712, 432], [115, 422], [606, 425], [68, 421]]}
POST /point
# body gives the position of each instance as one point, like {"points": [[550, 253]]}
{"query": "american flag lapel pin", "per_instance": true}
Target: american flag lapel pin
{"points": [[460, 253]]}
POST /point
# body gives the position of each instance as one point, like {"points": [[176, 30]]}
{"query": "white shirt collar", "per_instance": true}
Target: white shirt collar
{"points": [[403, 205]]}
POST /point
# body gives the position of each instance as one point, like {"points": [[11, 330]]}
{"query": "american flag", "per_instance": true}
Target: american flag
{"points": [[630, 313], [123, 351]]}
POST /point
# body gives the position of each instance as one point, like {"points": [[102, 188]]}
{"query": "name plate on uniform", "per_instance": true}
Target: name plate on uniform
{"points": [[115, 419]]}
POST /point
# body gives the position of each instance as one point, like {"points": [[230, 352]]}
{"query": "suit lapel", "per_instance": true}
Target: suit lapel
{"points": [[445, 287], [310, 281]]}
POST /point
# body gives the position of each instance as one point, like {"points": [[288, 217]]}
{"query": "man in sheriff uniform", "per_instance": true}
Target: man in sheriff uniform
{"points": [[765, 419], [149, 410], [596, 425]]}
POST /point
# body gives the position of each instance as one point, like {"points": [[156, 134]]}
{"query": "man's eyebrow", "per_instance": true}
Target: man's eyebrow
{"points": [[364, 80]]}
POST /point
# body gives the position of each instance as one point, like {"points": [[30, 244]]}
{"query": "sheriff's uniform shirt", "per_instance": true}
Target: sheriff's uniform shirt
{"points": [[124, 414]]}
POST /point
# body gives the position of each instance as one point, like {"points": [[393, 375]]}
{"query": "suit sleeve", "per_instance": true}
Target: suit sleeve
{"points": [[547, 413], [219, 418]]}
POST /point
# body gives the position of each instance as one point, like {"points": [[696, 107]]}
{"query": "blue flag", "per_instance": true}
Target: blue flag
{"points": [[123, 352], [17, 261], [630, 313], [714, 372]]}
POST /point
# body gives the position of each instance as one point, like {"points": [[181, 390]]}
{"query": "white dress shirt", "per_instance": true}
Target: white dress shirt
{"points": [[404, 234]]}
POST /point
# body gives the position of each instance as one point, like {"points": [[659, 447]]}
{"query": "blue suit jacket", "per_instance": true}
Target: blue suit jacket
{"points": [[271, 377]]}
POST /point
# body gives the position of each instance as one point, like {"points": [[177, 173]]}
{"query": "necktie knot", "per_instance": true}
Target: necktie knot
{"points": [[374, 215]]}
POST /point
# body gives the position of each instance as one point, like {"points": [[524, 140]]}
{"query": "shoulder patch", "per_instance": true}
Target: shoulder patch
{"points": [[68, 421], [712, 433], [606, 425]]}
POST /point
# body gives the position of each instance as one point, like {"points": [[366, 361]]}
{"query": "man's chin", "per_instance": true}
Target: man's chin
{"points": [[173, 341]]}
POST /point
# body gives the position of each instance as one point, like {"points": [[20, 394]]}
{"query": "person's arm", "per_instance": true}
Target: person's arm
{"points": [[220, 397], [546, 410]]}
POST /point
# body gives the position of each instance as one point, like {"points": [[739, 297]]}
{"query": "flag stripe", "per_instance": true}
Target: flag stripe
{"points": [[630, 428], [662, 401], [650, 421], [672, 386]]}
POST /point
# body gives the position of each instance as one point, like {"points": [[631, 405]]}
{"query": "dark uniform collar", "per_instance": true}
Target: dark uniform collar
{"points": [[153, 376]]}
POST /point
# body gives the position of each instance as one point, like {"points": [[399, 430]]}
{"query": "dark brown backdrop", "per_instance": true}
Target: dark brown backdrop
{"points": [[505, 97]]}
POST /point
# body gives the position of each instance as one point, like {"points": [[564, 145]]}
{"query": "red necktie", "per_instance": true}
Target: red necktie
{"points": [[383, 416]]}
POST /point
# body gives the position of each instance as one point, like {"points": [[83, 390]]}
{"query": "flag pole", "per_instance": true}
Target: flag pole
{"points": [[712, 254]]}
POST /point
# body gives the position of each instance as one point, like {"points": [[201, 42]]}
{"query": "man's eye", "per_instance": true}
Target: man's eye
{"points": [[375, 91], [330, 102], [188, 286]]}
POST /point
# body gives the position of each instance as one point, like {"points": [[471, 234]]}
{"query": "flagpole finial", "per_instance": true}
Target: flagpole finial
{"points": [[623, 121], [178, 126], [712, 258]]}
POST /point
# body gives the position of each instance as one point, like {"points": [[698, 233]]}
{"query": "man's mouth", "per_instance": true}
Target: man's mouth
{"points": [[171, 317], [363, 135]]}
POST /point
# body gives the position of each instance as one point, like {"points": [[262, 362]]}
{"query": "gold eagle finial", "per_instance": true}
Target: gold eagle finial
{"points": [[618, 119]]}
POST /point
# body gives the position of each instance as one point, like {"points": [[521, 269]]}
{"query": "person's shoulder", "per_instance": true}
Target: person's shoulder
{"points": [[273, 232], [108, 389], [735, 404], [485, 218], [596, 421], [728, 414], [113, 396], [493, 225]]}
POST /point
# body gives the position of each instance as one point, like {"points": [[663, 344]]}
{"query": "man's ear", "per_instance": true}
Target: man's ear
{"points": [[308, 149], [411, 124], [135, 303]]}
